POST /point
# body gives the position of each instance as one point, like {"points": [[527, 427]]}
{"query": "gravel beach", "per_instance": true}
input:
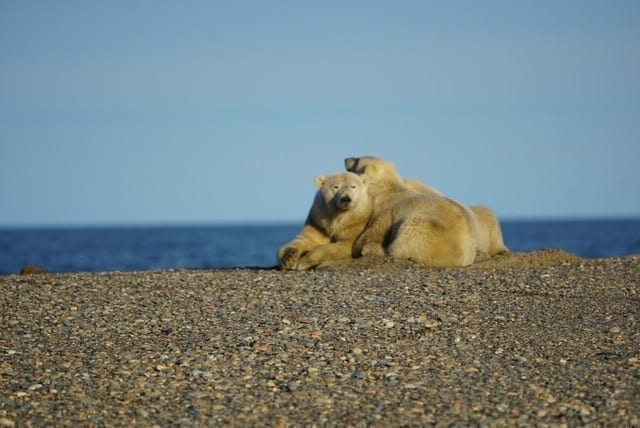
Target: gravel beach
{"points": [[542, 338]]}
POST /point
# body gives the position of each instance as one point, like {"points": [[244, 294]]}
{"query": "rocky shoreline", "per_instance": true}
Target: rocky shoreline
{"points": [[542, 338]]}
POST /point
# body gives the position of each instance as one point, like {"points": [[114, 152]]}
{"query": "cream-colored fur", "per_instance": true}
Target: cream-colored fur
{"points": [[421, 187], [339, 213], [408, 224], [490, 239]]}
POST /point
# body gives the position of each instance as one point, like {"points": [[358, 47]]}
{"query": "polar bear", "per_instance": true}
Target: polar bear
{"points": [[409, 224], [490, 240], [339, 213]]}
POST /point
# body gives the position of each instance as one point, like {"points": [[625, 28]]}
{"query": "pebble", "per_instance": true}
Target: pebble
{"points": [[5, 422], [542, 339]]}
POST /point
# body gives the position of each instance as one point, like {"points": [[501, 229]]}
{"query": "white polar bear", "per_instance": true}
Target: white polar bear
{"points": [[339, 213], [408, 224]]}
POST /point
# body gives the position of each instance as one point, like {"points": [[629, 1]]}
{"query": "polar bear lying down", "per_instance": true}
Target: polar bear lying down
{"points": [[371, 209], [339, 213], [488, 230], [406, 224]]}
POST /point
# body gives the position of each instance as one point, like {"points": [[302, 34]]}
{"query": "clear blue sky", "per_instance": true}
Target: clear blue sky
{"points": [[219, 111]]}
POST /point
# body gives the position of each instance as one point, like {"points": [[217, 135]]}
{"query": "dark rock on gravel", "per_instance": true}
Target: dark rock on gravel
{"points": [[30, 270], [542, 339]]}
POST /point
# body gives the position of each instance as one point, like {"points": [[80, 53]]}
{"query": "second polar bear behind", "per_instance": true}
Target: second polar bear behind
{"points": [[409, 224]]}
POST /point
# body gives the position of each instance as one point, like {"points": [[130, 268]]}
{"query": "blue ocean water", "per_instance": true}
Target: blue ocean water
{"points": [[94, 249]]}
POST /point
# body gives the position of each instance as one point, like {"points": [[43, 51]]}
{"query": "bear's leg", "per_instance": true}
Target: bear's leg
{"points": [[324, 253], [289, 254], [371, 241], [373, 249]]}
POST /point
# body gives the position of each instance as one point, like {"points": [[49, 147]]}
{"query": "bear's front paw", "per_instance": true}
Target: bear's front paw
{"points": [[307, 261], [289, 258], [372, 249]]}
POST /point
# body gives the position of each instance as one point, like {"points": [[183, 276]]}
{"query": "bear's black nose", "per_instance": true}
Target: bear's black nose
{"points": [[345, 199]]}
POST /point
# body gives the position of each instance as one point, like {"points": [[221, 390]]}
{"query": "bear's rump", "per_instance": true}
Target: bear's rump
{"points": [[434, 232]]}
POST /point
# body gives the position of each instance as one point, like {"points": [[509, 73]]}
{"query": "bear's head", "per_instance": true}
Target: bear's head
{"points": [[375, 168], [342, 191]]}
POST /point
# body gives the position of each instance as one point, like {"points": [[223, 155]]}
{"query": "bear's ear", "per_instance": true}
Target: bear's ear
{"points": [[319, 180], [364, 179], [350, 163]]}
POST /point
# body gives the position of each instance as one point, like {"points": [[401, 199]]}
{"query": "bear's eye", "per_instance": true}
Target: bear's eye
{"points": [[353, 186], [336, 187]]}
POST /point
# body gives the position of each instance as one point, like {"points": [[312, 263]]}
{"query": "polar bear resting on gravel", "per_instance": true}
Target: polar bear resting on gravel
{"points": [[339, 213], [407, 224]]}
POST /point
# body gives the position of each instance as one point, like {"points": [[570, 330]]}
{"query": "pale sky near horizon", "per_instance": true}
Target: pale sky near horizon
{"points": [[224, 111]]}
